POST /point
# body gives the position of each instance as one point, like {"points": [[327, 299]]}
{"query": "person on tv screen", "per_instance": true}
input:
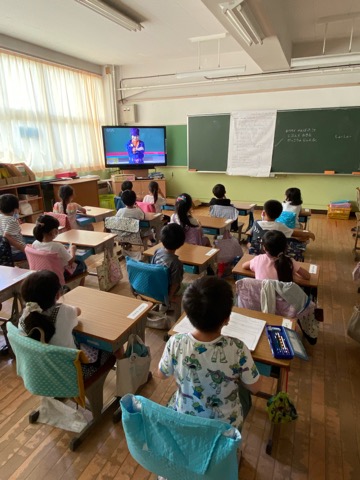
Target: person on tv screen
{"points": [[135, 147]]}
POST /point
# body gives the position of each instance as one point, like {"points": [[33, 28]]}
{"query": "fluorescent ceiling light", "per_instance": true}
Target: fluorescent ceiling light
{"points": [[111, 14], [240, 20], [326, 60], [208, 38], [215, 73]]}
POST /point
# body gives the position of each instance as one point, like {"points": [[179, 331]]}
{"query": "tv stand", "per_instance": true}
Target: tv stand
{"points": [[137, 173]]}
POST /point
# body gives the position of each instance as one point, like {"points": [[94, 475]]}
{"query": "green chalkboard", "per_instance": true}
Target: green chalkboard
{"points": [[311, 141], [306, 141], [208, 142], [176, 145]]}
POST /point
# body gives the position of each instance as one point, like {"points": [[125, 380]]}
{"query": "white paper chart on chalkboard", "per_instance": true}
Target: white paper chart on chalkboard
{"points": [[251, 140]]}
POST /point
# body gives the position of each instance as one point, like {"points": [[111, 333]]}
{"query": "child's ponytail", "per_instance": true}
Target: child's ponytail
{"points": [[182, 207], [284, 268], [154, 190]]}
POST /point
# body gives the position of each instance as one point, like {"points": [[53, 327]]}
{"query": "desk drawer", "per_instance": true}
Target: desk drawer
{"points": [[93, 342]]}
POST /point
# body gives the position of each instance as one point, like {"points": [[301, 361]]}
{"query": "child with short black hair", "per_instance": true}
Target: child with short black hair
{"points": [[207, 365], [293, 203], [272, 210], [274, 264], [126, 185], [132, 211], [172, 237], [219, 193], [9, 225]]}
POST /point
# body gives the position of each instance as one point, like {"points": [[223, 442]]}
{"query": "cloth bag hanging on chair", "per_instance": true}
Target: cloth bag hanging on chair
{"points": [[353, 328], [179, 446], [132, 371], [109, 272]]}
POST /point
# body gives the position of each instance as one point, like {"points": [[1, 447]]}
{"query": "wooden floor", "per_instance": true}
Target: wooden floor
{"points": [[324, 443]]}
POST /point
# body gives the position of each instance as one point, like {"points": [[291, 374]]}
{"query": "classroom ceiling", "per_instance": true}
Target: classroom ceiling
{"points": [[290, 28]]}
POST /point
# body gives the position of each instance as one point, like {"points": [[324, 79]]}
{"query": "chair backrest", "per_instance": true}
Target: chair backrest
{"points": [[150, 280], [119, 203], [248, 294], [62, 218], [146, 207], [5, 253], [126, 229], [288, 219], [179, 446], [42, 260], [194, 235], [222, 211], [48, 370]]}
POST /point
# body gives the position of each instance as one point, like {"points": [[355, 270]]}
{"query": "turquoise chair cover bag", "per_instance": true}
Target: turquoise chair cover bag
{"points": [[178, 446]]}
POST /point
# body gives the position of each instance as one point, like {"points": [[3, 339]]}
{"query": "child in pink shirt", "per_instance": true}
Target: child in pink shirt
{"points": [[274, 264]]}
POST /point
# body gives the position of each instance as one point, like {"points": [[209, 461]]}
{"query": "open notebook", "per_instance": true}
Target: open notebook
{"points": [[244, 328]]}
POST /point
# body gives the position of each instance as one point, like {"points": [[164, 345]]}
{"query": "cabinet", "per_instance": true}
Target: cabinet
{"points": [[30, 199], [140, 187], [86, 190]]}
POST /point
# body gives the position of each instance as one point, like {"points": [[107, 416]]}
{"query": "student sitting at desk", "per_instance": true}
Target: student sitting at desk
{"points": [[126, 185], [184, 218], [274, 264], [40, 291], [9, 225], [219, 198], [70, 208], [155, 196], [172, 237], [293, 203], [207, 365], [272, 210], [45, 232], [132, 211]]}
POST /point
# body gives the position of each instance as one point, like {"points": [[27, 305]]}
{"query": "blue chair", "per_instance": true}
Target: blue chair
{"points": [[179, 446], [148, 281], [118, 203]]}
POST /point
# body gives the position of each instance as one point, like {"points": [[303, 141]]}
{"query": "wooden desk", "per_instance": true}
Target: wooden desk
{"points": [[304, 217], [27, 231], [311, 284], [170, 203], [213, 225], [151, 220], [97, 214], [10, 283], [262, 356], [246, 209], [194, 257], [85, 189], [97, 241], [104, 321]]}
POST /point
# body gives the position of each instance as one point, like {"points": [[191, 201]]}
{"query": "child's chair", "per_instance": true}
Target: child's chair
{"points": [[228, 212], [62, 218], [42, 260], [179, 446], [286, 299], [150, 282], [119, 203], [52, 371], [194, 235], [146, 207], [128, 234]]}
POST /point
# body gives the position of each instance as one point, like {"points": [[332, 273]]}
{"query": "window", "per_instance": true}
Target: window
{"points": [[50, 116]]}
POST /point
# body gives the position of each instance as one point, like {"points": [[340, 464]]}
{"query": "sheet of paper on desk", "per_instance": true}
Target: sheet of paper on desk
{"points": [[244, 328], [313, 269], [138, 310], [211, 252]]}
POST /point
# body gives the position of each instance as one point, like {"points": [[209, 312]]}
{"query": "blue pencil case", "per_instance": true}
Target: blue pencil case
{"points": [[279, 342]]}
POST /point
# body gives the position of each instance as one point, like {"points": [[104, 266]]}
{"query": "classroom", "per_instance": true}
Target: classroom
{"points": [[85, 64]]}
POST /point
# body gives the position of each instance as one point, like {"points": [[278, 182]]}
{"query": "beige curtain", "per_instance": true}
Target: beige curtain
{"points": [[50, 116]]}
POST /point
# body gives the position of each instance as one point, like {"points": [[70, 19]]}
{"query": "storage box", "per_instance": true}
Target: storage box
{"points": [[338, 213], [121, 177], [25, 172], [107, 201], [66, 175]]}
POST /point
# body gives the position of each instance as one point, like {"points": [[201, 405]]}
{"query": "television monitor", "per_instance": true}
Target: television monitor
{"points": [[127, 147]]}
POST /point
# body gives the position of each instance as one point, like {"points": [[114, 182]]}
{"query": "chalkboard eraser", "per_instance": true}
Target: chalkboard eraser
{"points": [[355, 173], [192, 170], [329, 172]]}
